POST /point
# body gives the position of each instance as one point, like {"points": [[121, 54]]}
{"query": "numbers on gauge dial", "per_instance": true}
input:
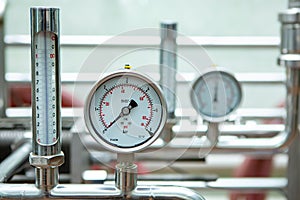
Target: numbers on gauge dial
{"points": [[128, 111]]}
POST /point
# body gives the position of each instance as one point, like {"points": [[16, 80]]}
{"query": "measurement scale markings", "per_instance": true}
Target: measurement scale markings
{"points": [[46, 86]]}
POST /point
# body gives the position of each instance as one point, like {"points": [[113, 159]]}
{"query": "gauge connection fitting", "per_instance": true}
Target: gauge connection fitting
{"points": [[47, 161]]}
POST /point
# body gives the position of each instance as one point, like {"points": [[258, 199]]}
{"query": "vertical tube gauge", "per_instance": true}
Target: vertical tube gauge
{"points": [[45, 76], [46, 97]]}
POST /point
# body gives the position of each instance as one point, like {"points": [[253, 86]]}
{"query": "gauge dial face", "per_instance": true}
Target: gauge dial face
{"points": [[215, 95], [125, 111]]}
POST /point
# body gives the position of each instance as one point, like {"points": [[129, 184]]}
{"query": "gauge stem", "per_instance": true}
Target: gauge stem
{"points": [[213, 132], [126, 173]]}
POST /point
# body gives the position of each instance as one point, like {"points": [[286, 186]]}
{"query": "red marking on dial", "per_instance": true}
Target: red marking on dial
{"points": [[122, 89]]}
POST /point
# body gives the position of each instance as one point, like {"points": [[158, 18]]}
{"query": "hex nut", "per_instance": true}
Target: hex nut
{"points": [[47, 161]]}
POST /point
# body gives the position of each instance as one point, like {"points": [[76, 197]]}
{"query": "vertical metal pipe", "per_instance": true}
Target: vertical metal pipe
{"points": [[294, 4], [3, 85], [168, 64], [126, 173], [46, 120], [290, 58], [45, 20], [292, 99]]}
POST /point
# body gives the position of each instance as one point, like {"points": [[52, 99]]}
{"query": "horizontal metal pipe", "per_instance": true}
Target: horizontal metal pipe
{"points": [[87, 191], [252, 184], [207, 41], [89, 78], [22, 115], [10, 164], [192, 148], [231, 130], [8, 137], [158, 188]]}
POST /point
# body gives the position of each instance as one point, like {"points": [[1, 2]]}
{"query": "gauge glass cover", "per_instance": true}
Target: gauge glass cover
{"points": [[215, 95], [125, 111]]}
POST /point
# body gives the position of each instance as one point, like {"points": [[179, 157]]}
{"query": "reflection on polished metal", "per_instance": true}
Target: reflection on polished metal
{"points": [[207, 41], [290, 30], [46, 178], [9, 166], [294, 4], [126, 173], [47, 20], [168, 64], [3, 88], [126, 177], [46, 154], [94, 191], [290, 59]]}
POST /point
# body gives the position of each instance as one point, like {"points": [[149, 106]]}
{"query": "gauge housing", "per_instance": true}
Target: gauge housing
{"points": [[125, 111], [215, 95]]}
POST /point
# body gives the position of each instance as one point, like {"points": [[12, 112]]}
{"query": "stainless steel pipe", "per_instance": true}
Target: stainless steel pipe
{"points": [[9, 166], [294, 4], [46, 126], [44, 20], [3, 88], [290, 29], [87, 191], [168, 65]]}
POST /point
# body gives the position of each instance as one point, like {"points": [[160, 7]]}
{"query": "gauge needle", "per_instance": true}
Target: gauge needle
{"points": [[124, 112], [216, 93]]}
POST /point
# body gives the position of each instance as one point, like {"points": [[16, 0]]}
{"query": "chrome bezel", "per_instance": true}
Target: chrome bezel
{"points": [[222, 72], [97, 135]]}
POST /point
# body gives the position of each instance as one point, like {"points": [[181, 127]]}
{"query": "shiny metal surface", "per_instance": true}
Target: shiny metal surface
{"points": [[88, 78], [12, 163], [3, 88], [110, 192], [249, 184], [46, 178], [290, 20], [126, 177], [293, 173], [46, 158], [211, 78], [258, 130], [168, 64], [290, 59], [276, 138], [209, 41], [45, 19], [294, 4], [118, 148], [87, 191], [20, 191]]}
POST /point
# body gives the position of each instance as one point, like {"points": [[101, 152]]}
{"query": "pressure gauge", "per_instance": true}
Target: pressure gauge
{"points": [[215, 95], [125, 111]]}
